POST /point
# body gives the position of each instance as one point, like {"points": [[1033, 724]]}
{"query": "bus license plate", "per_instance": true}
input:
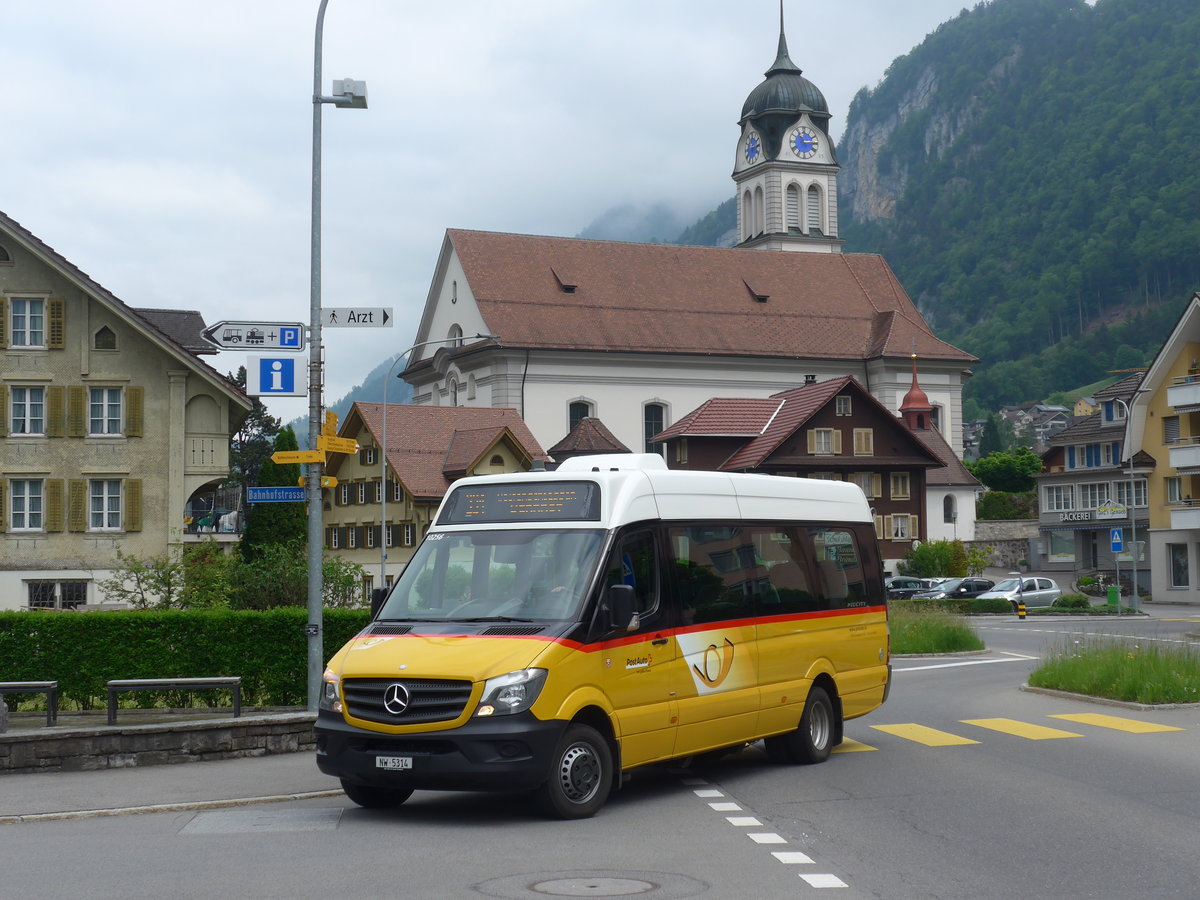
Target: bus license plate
{"points": [[393, 762]]}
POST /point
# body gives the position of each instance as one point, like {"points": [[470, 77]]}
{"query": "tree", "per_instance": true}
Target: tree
{"points": [[1013, 472], [990, 441], [275, 523], [934, 559]]}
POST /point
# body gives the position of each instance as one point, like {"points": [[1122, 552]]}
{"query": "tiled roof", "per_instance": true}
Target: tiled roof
{"points": [[952, 471], [567, 293], [1123, 388], [725, 417], [589, 436], [427, 446], [183, 326]]}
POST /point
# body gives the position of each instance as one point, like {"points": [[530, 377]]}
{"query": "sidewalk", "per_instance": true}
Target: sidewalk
{"points": [[193, 785]]}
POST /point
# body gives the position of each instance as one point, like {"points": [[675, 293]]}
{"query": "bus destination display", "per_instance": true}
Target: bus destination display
{"points": [[565, 501]]}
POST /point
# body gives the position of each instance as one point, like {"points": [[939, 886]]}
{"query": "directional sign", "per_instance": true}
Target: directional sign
{"points": [[256, 335], [326, 481], [274, 495], [337, 444], [275, 376], [330, 426], [356, 317], [284, 457], [1117, 542]]}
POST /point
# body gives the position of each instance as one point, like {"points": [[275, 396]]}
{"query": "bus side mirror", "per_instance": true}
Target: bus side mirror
{"points": [[378, 595], [622, 614]]}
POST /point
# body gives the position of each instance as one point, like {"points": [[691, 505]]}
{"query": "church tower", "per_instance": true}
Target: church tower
{"points": [[785, 169]]}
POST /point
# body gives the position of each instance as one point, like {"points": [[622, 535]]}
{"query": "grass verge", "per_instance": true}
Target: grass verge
{"points": [[1136, 672], [929, 628]]}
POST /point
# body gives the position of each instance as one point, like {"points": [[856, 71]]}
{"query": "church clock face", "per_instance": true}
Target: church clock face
{"points": [[803, 143], [754, 150]]}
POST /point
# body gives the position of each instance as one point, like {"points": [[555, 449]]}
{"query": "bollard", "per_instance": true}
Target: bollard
{"points": [[1020, 609], [3, 715]]}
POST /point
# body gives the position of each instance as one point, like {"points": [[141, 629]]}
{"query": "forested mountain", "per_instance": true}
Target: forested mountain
{"points": [[1031, 172]]}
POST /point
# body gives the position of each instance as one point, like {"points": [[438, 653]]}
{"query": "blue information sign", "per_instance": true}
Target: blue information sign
{"points": [[1117, 544], [275, 495]]}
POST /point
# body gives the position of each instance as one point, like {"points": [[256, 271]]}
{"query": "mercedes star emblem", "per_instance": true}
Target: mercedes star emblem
{"points": [[395, 698]]}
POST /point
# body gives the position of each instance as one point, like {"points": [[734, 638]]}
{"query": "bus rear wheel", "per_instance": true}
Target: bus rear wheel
{"points": [[581, 774], [812, 741], [370, 797]]}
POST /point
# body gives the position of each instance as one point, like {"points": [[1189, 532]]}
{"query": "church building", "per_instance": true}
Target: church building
{"points": [[638, 335]]}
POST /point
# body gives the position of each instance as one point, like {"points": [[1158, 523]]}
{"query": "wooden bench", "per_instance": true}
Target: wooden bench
{"points": [[49, 688], [233, 683]]}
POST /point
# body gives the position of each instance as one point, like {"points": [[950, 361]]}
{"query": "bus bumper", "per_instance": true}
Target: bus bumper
{"points": [[509, 753]]}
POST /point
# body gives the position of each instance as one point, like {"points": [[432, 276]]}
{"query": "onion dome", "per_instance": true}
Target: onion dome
{"points": [[785, 89]]}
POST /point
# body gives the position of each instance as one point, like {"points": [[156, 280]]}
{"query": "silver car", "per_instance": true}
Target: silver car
{"points": [[1026, 589]]}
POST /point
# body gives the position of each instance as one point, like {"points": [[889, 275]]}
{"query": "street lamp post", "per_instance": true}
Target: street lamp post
{"points": [[350, 94], [1128, 445], [383, 489]]}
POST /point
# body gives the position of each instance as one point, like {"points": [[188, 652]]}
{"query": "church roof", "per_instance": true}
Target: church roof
{"points": [[608, 296]]}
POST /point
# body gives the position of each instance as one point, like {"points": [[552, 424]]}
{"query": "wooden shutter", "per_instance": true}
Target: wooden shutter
{"points": [[3, 323], [133, 504], [56, 411], [55, 505], [876, 486], [888, 524], [914, 528], [879, 528], [3, 411], [864, 442], [56, 324], [77, 403], [3, 508], [135, 410], [837, 441], [812, 441], [77, 505]]}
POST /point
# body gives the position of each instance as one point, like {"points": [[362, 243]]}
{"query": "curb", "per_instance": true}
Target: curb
{"points": [[162, 807]]}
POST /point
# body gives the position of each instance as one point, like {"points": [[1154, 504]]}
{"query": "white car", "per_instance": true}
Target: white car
{"points": [[1026, 589]]}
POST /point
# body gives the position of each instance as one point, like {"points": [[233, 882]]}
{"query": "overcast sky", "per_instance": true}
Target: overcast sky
{"points": [[165, 146]]}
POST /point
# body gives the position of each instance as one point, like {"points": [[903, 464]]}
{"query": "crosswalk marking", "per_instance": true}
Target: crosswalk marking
{"points": [[1133, 726], [1021, 729], [921, 734], [849, 745]]}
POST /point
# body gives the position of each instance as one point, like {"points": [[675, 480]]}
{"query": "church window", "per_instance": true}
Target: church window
{"points": [[793, 206], [455, 335], [949, 513], [747, 217], [759, 211], [653, 420], [577, 411]]}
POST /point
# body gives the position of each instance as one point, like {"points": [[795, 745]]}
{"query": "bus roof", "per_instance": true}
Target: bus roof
{"points": [[637, 487]]}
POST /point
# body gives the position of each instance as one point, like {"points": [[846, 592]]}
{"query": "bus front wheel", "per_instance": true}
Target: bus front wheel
{"points": [[581, 774], [812, 741]]}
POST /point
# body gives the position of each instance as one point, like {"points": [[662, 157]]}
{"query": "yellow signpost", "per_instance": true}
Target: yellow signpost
{"points": [[283, 457], [330, 426], [326, 481], [337, 444]]}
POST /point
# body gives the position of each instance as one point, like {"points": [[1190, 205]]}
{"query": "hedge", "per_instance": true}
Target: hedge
{"points": [[81, 651], [962, 606]]}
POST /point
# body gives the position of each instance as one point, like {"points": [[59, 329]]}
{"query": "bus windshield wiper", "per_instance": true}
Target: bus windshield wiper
{"points": [[493, 619]]}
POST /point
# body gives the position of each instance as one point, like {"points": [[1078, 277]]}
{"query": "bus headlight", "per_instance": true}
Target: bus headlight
{"points": [[515, 692], [329, 699]]}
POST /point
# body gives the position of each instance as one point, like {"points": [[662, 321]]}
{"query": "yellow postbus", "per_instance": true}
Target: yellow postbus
{"points": [[556, 630]]}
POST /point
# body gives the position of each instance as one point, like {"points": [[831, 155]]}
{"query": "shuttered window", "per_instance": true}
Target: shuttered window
{"points": [[1170, 426], [814, 208], [793, 207], [864, 442]]}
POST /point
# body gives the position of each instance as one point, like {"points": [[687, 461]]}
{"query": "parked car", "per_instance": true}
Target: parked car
{"points": [[956, 587], [1027, 589], [900, 587]]}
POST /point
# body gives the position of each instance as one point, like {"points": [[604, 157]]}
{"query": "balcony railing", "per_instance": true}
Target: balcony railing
{"points": [[1185, 516], [1184, 455], [205, 455], [1184, 392]]}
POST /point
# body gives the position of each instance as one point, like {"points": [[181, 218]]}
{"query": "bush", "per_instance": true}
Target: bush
{"points": [[1003, 505], [934, 559], [962, 606], [82, 651], [922, 627], [1073, 601]]}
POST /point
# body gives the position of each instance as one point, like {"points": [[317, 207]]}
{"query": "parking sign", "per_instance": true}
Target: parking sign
{"points": [[274, 376]]}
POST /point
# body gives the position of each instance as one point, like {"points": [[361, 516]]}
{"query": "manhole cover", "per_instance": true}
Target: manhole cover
{"points": [[643, 885], [593, 887]]}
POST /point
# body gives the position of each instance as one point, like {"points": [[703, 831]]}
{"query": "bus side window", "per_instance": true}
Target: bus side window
{"points": [[840, 569], [717, 572], [635, 562]]}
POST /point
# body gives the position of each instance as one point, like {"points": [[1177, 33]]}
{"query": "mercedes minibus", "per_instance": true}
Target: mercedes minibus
{"points": [[556, 630]]}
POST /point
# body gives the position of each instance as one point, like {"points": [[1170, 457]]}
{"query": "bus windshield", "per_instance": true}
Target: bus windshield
{"points": [[531, 574]]}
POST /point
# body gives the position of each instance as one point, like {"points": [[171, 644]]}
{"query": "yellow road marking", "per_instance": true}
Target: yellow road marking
{"points": [[1021, 729], [930, 737], [849, 745], [1133, 726]]}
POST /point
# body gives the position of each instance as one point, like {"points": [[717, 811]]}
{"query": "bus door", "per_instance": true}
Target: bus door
{"points": [[637, 667], [718, 577]]}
